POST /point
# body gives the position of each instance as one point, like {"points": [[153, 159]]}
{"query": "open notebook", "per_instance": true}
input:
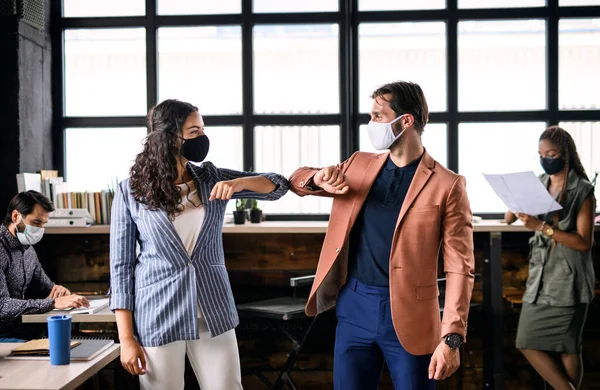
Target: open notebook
{"points": [[81, 349], [95, 306]]}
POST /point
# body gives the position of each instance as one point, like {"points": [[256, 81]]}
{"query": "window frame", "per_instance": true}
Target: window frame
{"points": [[349, 118]]}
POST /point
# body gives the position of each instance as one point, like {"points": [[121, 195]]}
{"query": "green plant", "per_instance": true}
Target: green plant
{"points": [[112, 186], [240, 205], [255, 204]]}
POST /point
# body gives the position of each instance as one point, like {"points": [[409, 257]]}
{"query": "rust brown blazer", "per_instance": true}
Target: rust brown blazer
{"points": [[435, 216]]}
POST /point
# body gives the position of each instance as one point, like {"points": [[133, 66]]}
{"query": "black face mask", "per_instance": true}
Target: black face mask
{"points": [[195, 149], [552, 165]]}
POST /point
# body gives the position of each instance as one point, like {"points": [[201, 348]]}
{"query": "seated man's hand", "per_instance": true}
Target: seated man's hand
{"points": [[70, 301], [58, 291]]}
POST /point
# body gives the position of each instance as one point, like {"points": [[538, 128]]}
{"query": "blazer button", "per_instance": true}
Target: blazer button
{"points": [[337, 250], [301, 183], [189, 263]]}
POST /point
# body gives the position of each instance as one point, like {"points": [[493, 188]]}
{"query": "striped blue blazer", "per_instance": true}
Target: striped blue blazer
{"points": [[162, 284]]}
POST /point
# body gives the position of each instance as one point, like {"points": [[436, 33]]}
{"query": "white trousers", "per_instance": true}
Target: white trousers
{"points": [[216, 363]]}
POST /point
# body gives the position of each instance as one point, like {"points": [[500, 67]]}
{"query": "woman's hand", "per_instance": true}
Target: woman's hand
{"points": [[133, 358], [531, 223], [224, 190]]}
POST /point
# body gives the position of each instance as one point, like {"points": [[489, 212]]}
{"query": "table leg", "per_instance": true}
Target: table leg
{"points": [[493, 310]]}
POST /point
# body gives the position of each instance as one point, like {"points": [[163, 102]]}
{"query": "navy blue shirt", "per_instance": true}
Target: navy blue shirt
{"points": [[372, 233]]}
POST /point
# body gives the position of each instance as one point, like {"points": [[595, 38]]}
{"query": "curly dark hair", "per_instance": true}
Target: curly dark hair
{"points": [[568, 151], [153, 175]]}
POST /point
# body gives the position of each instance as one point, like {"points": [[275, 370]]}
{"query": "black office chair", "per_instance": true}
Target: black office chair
{"points": [[282, 309]]}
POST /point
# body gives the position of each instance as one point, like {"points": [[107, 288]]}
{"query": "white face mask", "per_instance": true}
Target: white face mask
{"points": [[31, 235], [381, 134]]}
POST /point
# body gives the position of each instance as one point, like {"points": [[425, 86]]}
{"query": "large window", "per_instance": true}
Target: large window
{"points": [[283, 84]]}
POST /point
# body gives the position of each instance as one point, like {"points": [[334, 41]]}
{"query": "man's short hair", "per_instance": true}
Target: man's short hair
{"points": [[24, 203], [407, 98]]}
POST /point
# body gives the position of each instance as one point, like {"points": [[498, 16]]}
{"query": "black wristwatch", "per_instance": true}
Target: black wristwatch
{"points": [[454, 340]]}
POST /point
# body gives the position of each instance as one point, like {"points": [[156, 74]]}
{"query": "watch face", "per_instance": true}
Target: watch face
{"points": [[454, 340]]}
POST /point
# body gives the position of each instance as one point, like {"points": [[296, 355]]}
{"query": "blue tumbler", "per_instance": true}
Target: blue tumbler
{"points": [[59, 336]]}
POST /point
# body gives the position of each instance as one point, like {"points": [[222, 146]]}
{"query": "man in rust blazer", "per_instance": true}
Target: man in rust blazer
{"points": [[392, 214]]}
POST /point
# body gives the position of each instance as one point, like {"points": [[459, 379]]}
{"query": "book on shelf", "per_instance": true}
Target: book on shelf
{"points": [[29, 181], [97, 203], [82, 349]]}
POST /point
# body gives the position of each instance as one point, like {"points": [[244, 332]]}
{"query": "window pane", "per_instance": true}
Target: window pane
{"points": [[226, 146], [501, 65], [202, 65], [296, 69], [587, 139], [283, 149], [579, 61], [434, 140], [563, 3], [105, 72], [226, 150], [394, 5], [515, 149], [289, 6], [87, 166], [403, 51], [198, 7], [500, 3], [83, 8]]}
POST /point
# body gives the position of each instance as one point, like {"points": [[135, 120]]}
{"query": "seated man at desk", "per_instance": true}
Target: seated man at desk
{"points": [[20, 270]]}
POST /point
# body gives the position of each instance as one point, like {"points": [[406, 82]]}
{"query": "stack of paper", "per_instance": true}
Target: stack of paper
{"points": [[523, 192]]}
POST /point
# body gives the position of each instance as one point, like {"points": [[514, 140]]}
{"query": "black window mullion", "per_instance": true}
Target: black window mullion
{"points": [[452, 84], [247, 85], [355, 78], [151, 55], [347, 133], [58, 87], [552, 62]]}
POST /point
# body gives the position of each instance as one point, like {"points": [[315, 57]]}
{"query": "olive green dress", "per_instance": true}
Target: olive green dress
{"points": [[561, 281]]}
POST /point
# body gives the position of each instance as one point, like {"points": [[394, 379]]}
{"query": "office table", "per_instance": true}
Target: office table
{"points": [[41, 375]]}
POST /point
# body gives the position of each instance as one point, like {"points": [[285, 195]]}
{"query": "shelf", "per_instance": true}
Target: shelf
{"points": [[290, 227]]}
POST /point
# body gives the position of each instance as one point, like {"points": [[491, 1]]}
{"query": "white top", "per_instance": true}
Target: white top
{"points": [[189, 223]]}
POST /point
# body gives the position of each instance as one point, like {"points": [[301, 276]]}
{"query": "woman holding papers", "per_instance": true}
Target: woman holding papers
{"points": [[561, 274], [174, 298]]}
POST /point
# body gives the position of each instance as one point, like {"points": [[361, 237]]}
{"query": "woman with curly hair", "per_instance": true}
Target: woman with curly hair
{"points": [[173, 298], [561, 278]]}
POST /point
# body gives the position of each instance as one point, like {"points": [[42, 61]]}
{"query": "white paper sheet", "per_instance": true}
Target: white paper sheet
{"points": [[95, 306], [523, 192]]}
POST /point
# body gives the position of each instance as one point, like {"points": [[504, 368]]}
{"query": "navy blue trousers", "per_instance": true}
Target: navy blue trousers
{"points": [[365, 339]]}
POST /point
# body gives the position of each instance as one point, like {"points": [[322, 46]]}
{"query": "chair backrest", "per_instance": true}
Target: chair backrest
{"points": [[309, 279], [301, 281]]}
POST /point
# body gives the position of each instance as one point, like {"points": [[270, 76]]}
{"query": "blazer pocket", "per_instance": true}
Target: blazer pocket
{"points": [[427, 292], [423, 209]]}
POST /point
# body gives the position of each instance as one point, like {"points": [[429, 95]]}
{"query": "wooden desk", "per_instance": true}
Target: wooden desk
{"points": [[104, 315], [41, 375]]}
